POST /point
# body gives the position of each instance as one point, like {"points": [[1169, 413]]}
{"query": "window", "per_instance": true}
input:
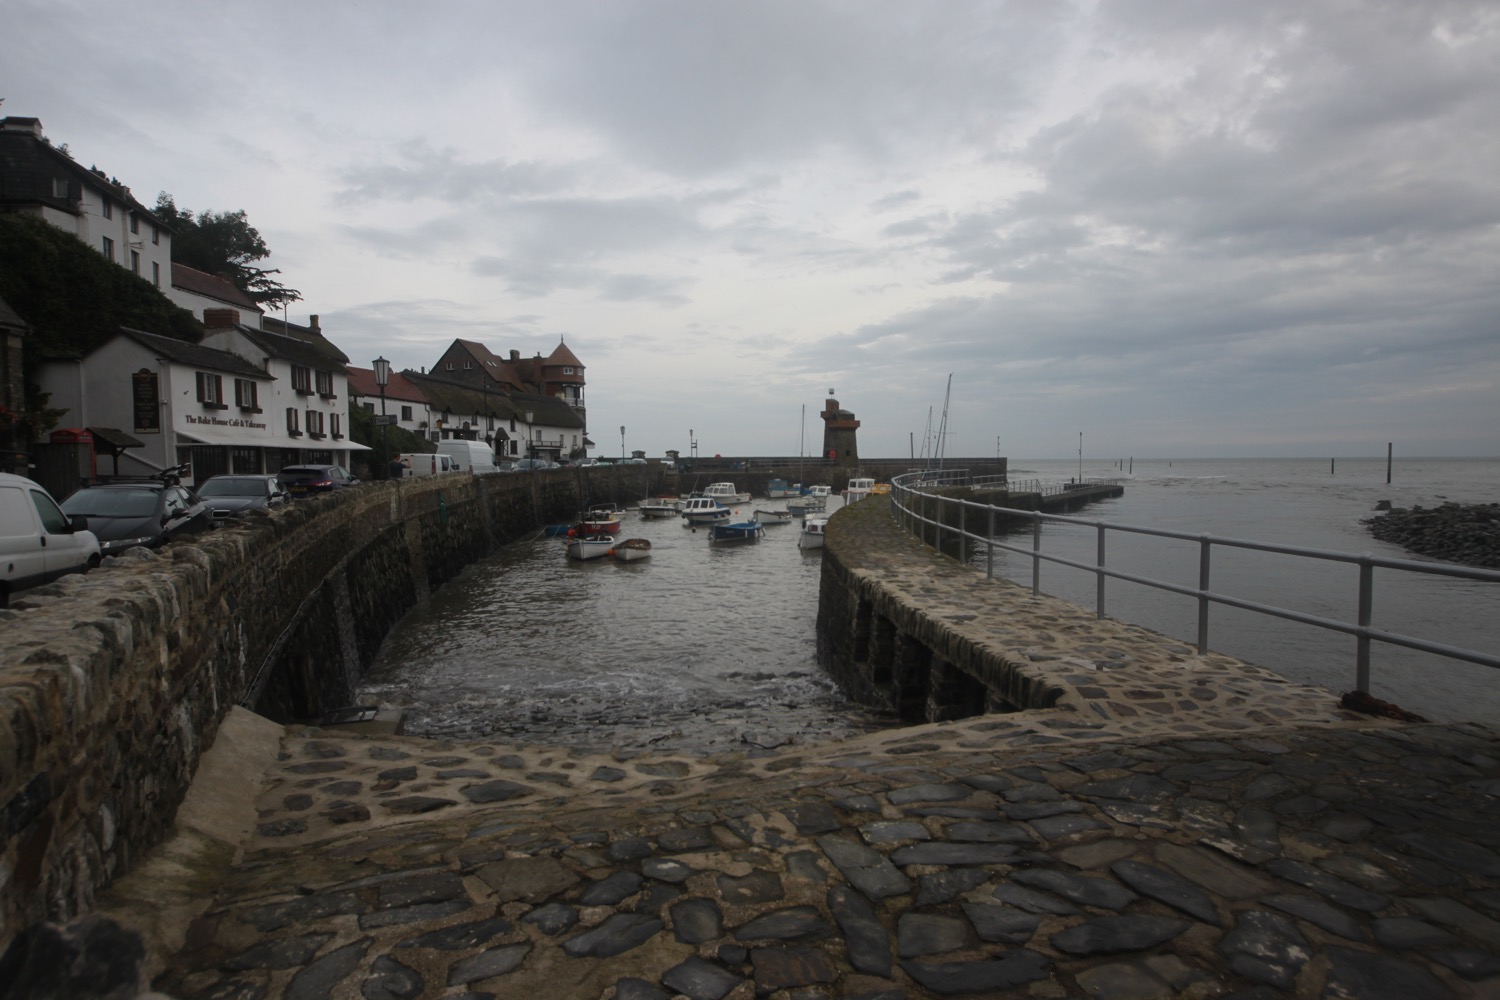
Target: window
{"points": [[135, 223], [108, 247], [109, 209], [211, 390], [155, 235], [246, 395], [325, 384], [135, 263], [334, 426], [406, 413], [315, 423], [302, 380], [291, 422], [59, 187], [567, 371], [467, 366], [369, 406], [450, 366], [156, 274]]}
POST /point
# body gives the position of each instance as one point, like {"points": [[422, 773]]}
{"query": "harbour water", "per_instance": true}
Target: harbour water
{"points": [[700, 648], [1313, 503], [706, 648]]}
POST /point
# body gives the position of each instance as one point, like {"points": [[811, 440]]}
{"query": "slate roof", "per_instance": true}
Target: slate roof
{"points": [[362, 383], [295, 349], [459, 400], [195, 355], [212, 286]]}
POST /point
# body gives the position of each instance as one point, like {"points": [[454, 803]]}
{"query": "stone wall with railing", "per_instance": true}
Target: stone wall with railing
{"points": [[113, 684]]}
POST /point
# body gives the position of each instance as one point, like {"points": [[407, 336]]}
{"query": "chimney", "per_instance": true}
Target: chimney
{"points": [[312, 323], [218, 319], [14, 124], [515, 356]]}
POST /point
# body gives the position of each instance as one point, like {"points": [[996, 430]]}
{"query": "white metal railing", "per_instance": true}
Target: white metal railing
{"points": [[918, 509]]}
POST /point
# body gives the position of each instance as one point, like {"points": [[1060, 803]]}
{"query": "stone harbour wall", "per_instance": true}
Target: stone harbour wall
{"points": [[113, 684]]}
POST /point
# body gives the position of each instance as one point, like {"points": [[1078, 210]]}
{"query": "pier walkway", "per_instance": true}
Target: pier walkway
{"points": [[1175, 826]]}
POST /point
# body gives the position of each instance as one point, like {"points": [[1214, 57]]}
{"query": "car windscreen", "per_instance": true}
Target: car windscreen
{"points": [[303, 474], [112, 503], [232, 487]]}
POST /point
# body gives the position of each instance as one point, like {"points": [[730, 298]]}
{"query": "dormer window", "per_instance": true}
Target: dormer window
{"points": [[567, 371]]}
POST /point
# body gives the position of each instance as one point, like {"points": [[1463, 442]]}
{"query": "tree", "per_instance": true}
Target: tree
{"points": [[224, 243]]}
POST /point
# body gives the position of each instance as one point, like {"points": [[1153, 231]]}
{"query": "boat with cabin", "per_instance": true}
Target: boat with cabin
{"points": [[656, 508], [780, 489], [812, 533], [725, 493], [858, 489], [705, 510], [802, 506]]}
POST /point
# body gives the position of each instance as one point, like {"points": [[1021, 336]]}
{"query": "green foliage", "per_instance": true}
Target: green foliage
{"points": [[73, 298], [362, 430], [224, 243]]}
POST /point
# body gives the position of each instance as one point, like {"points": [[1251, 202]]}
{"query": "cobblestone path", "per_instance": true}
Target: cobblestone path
{"points": [[997, 857]]}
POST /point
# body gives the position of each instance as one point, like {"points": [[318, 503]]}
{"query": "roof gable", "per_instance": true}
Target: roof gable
{"points": [[194, 355]]}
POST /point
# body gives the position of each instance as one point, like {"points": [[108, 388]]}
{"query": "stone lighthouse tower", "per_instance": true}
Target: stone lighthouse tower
{"points": [[838, 433]]}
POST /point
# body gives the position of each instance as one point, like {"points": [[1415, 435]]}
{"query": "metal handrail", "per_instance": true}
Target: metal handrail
{"points": [[912, 491]]}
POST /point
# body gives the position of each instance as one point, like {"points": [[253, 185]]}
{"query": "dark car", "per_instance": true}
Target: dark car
{"points": [[307, 480], [148, 512], [237, 494]]}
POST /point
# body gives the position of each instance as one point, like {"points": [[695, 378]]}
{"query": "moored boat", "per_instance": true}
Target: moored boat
{"points": [[705, 510], [820, 491], [780, 489], [802, 506], [735, 531], [632, 549], [773, 516], [600, 520], [658, 507], [725, 493], [589, 546], [812, 533], [858, 489]]}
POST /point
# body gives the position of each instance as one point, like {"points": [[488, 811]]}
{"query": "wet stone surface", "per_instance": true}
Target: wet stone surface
{"points": [[1342, 861]]}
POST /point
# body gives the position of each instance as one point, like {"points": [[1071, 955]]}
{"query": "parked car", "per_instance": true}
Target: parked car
{"points": [[309, 480], [237, 494], [136, 512], [425, 463], [533, 464], [38, 542]]}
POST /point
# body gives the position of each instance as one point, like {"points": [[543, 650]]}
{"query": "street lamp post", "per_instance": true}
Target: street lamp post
{"points": [[622, 442], [382, 377], [530, 436]]}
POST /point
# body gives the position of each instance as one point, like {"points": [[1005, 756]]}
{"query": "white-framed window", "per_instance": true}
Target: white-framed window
{"points": [[59, 187], [109, 209], [292, 426], [406, 413], [107, 247], [567, 371], [302, 380], [450, 366], [246, 394], [335, 426], [325, 384], [155, 235], [314, 423], [211, 390]]}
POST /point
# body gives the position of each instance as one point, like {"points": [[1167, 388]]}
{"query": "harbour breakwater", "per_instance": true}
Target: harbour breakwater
{"points": [[1462, 533]]}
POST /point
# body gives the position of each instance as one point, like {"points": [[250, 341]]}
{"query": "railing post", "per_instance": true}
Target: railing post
{"points": [[1204, 547], [989, 538], [1036, 549], [1099, 575], [1366, 607]]}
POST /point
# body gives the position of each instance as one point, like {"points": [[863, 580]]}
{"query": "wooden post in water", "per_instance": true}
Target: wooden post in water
{"points": [[1388, 463], [1330, 465]]}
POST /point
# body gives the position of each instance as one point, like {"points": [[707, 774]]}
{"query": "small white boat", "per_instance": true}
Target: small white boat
{"points": [[773, 516], [820, 491], [590, 547], [632, 549], [656, 508], [812, 533], [705, 510], [725, 493], [802, 506], [858, 489]]}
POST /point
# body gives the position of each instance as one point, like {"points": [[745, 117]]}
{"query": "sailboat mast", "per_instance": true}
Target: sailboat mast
{"points": [[942, 435]]}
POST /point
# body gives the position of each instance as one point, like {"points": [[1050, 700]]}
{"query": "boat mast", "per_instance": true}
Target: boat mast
{"points": [[943, 424]]}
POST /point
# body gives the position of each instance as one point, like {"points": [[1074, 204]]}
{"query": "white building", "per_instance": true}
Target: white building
{"points": [[99, 210]]}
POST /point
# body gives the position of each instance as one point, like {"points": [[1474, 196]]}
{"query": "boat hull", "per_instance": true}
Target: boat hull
{"points": [[632, 550], [596, 547], [742, 531]]}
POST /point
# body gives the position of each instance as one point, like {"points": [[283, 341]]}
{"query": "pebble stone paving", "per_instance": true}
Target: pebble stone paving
{"points": [[1011, 856]]}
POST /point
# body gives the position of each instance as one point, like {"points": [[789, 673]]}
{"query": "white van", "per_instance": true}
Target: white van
{"points": [[469, 456], [38, 542], [425, 463]]}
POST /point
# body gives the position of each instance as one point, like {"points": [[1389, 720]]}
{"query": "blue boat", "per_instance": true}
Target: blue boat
{"points": [[780, 489], [735, 531]]}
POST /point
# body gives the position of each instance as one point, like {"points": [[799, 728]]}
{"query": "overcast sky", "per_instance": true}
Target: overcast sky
{"points": [[1178, 227]]}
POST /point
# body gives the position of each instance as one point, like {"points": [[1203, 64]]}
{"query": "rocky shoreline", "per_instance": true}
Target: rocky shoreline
{"points": [[1462, 533]]}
